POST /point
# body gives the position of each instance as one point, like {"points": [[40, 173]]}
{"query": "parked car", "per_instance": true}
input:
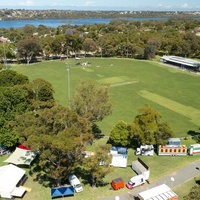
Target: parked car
{"points": [[74, 181], [4, 151]]}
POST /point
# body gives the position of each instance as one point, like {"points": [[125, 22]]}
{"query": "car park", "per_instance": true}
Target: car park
{"points": [[74, 181]]}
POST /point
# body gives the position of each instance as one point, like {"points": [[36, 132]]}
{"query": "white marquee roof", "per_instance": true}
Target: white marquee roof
{"points": [[10, 175], [21, 157]]}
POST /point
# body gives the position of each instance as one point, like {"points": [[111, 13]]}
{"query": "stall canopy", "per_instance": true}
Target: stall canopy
{"points": [[21, 146], [10, 176], [62, 191], [21, 157]]}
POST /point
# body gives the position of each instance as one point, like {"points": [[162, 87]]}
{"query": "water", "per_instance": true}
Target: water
{"points": [[59, 22]]}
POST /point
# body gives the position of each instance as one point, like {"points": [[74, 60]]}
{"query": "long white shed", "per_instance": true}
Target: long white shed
{"points": [[161, 192]]}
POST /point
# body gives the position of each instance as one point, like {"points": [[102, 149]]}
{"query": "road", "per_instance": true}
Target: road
{"points": [[172, 180]]}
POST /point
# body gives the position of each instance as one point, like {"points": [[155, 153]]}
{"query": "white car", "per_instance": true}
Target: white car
{"points": [[74, 181]]}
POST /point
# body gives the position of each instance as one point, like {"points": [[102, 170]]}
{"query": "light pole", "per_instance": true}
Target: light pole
{"points": [[127, 42], [68, 72], [5, 62], [172, 181]]}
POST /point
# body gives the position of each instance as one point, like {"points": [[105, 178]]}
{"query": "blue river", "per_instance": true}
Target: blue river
{"points": [[59, 22]]}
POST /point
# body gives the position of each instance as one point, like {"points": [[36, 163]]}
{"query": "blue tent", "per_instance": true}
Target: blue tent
{"points": [[62, 191]]}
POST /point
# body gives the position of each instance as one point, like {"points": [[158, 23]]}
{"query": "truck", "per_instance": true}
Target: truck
{"points": [[172, 150], [141, 168], [117, 183], [194, 149], [145, 150], [158, 193], [136, 181]]}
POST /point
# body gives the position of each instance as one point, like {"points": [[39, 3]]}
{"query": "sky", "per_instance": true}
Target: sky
{"points": [[133, 5]]}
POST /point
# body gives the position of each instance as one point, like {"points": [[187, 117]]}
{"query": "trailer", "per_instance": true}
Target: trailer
{"points": [[141, 168], [136, 181], [117, 183], [172, 150], [194, 149], [119, 156], [145, 150]]}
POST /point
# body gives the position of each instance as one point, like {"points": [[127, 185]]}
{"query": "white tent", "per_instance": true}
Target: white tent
{"points": [[10, 175], [21, 157]]}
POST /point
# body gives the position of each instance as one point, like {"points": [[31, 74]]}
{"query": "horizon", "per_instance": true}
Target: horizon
{"points": [[89, 8], [99, 5]]}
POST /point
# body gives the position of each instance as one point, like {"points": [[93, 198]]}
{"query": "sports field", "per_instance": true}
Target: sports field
{"points": [[174, 93]]}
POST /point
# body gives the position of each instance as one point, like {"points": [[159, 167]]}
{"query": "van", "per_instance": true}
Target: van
{"points": [[136, 181]]}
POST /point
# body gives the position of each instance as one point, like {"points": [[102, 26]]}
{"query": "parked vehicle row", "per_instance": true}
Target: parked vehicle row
{"points": [[172, 148]]}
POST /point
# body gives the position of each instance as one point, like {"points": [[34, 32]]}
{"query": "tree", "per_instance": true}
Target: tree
{"points": [[194, 193], [58, 134], [151, 48], [42, 94], [13, 101], [89, 45], [57, 44], [29, 48], [92, 101], [9, 78], [98, 166], [120, 135], [148, 128]]}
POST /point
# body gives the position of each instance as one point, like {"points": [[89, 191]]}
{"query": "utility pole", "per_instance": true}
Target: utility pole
{"points": [[5, 60], [68, 72], [127, 42]]}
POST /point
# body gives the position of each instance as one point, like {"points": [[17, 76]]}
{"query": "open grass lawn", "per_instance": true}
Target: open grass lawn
{"points": [[174, 93]]}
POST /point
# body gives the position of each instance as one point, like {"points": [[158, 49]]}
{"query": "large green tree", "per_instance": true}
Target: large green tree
{"points": [[58, 134], [148, 127], [9, 78], [29, 49], [13, 101], [120, 135], [92, 101]]}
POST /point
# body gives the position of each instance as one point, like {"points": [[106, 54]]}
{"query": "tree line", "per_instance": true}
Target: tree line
{"points": [[13, 14], [120, 38]]}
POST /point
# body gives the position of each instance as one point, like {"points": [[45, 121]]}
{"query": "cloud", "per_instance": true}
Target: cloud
{"points": [[164, 6], [185, 5], [89, 3], [26, 3]]}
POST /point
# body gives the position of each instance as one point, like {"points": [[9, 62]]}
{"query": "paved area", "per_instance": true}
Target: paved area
{"points": [[172, 180]]}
